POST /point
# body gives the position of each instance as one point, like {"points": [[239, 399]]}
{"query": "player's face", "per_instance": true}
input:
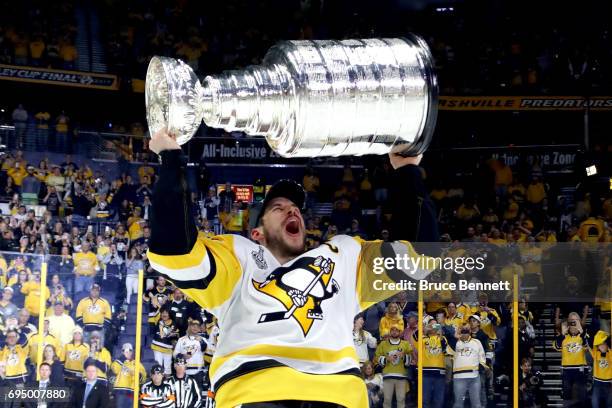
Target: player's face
{"points": [[283, 227]]}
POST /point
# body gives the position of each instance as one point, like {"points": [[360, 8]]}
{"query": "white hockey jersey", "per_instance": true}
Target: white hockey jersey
{"points": [[191, 346], [281, 326], [467, 357]]}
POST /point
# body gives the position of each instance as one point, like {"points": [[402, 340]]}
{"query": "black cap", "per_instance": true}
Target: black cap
{"points": [[180, 359], [285, 188], [157, 369]]}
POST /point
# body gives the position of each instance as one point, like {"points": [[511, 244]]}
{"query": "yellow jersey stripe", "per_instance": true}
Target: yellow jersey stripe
{"points": [[295, 353], [284, 383], [191, 260]]}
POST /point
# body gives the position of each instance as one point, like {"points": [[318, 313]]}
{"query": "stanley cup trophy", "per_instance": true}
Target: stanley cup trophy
{"points": [[308, 98]]}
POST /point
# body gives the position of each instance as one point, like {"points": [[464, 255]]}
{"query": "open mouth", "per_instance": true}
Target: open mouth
{"points": [[293, 226]]}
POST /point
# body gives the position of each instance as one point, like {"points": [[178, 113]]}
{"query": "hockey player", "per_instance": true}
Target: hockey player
{"points": [[295, 307]]}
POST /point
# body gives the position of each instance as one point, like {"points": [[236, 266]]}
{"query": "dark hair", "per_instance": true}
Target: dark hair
{"points": [[89, 362], [44, 364]]}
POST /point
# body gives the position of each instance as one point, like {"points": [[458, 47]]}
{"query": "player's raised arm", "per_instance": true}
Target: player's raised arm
{"points": [[205, 269], [413, 212], [173, 230]]}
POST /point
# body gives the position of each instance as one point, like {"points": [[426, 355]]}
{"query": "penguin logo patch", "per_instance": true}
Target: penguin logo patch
{"points": [[259, 258], [300, 288]]}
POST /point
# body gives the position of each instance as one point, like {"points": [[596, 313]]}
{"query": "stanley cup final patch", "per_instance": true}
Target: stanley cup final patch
{"points": [[259, 259], [300, 288]]}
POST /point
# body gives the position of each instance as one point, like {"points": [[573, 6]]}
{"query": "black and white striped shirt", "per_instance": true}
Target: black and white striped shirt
{"points": [[158, 396], [186, 392]]}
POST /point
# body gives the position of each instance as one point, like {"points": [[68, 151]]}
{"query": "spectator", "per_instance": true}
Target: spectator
{"points": [[58, 295], [133, 265], [234, 221], [61, 132], [363, 340], [530, 383], [393, 356], [227, 197], [136, 224], [181, 311], [61, 325], [192, 346], [572, 344], [147, 208], [85, 268], [93, 313], [17, 173], [486, 386], [114, 267], [45, 338], [42, 130], [393, 317], [25, 328], [123, 368], [33, 291], [51, 358], [76, 353], [7, 308], [30, 187], [100, 355], [14, 357], [374, 384], [156, 299], [53, 201], [65, 268], [602, 369], [468, 355], [536, 192], [93, 392], [355, 230], [434, 365], [144, 190], [68, 53], [44, 381], [211, 206], [527, 336], [122, 240], [164, 339], [20, 121], [311, 184]]}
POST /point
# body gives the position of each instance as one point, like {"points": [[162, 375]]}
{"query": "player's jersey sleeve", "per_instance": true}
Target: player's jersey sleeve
{"points": [[374, 277], [208, 273]]}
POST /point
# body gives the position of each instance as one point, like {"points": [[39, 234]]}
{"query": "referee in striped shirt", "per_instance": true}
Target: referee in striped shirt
{"points": [[157, 392], [185, 388]]}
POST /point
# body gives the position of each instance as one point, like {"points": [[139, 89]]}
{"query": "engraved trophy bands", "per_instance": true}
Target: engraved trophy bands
{"points": [[308, 98]]}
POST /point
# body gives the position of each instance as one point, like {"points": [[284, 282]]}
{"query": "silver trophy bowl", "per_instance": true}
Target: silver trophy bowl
{"points": [[308, 98]]}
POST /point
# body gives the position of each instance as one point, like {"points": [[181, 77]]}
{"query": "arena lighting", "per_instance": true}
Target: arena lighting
{"points": [[591, 170]]}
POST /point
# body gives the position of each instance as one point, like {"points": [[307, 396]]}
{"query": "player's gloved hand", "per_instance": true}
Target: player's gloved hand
{"points": [[162, 140], [397, 160], [297, 297]]}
